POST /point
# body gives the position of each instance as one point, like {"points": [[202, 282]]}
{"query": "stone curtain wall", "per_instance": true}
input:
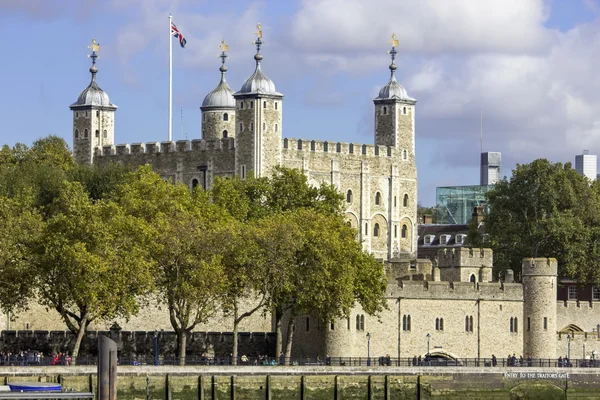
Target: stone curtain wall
{"points": [[132, 344]]}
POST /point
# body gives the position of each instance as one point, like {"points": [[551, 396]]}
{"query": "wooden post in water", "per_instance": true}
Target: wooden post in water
{"points": [[335, 388], [268, 387], [213, 395], [200, 389], [107, 368], [386, 388], [302, 383], [232, 388], [370, 387]]}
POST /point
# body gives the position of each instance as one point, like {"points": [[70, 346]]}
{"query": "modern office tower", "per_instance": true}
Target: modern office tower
{"points": [[586, 165], [491, 168]]}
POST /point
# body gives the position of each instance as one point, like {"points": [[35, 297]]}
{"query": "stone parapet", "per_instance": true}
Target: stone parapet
{"points": [[181, 146], [291, 144], [465, 257], [460, 290]]}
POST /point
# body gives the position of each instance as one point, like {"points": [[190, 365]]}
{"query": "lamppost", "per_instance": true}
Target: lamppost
{"points": [[155, 347], [427, 356], [568, 350], [368, 348]]}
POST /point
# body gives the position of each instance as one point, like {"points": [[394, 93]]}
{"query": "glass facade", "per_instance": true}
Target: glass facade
{"points": [[455, 204]]}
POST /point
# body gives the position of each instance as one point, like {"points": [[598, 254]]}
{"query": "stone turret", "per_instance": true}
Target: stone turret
{"points": [[258, 130], [93, 117], [539, 307], [218, 107]]}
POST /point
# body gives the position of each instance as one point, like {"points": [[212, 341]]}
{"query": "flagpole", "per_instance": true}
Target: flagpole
{"points": [[170, 79]]}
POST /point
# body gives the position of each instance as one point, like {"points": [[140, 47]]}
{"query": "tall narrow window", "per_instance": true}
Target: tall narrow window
{"points": [[511, 324], [528, 324], [405, 154], [241, 127], [377, 199], [384, 110], [467, 324], [98, 114], [545, 323], [251, 126], [252, 104], [243, 172], [395, 198], [405, 200], [347, 319], [471, 323], [395, 231], [105, 134], [408, 322], [332, 326], [76, 133], [264, 126], [516, 322], [441, 324], [85, 133], [404, 231], [225, 133], [376, 230], [97, 133], [362, 322], [194, 183], [264, 104], [242, 105], [307, 324], [472, 278], [404, 323], [225, 117], [276, 128], [404, 111], [349, 196], [366, 228], [357, 322], [276, 105]]}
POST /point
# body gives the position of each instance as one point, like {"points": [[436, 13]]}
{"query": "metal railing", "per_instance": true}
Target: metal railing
{"points": [[243, 360]]}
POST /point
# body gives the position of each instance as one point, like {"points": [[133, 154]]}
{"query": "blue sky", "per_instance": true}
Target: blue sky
{"points": [[529, 65]]}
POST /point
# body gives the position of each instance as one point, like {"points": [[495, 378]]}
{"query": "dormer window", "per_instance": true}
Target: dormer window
{"points": [[460, 238], [444, 239], [429, 239]]}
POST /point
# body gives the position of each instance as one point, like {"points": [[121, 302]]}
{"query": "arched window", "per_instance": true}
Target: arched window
{"points": [[472, 278], [357, 322], [362, 322], [384, 110], [349, 196], [404, 231], [276, 128], [225, 117], [395, 231], [377, 199], [194, 183], [76, 133], [225, 133], [376, 230], [405, 200], [85, 133], [97, 133], [405, 154], [404, 110], [408, 322], [105, 134], [264, 104]]}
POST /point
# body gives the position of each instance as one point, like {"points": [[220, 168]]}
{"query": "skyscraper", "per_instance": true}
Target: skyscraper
{"points": [[491, 168], [586, 165]]}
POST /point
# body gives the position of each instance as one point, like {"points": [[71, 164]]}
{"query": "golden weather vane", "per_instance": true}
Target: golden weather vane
{"points": [[224, 46], [95, 47], [259, 31], [394, 40]]}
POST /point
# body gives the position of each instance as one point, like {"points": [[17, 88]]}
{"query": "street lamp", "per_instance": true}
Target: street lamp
{"points": [[568, 350], [155, 347], [368, 348], [427, 356]]}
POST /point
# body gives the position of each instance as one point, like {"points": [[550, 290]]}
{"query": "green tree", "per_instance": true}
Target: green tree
{"points": [[20, 227], [91, 261], [189, 235], [546, 210]]}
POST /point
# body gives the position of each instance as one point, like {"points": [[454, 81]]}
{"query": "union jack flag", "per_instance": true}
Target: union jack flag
{"points": [[175, 33]]}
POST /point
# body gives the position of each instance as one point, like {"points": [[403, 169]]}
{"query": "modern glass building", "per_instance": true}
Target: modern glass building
{"points": [[455, 204]]}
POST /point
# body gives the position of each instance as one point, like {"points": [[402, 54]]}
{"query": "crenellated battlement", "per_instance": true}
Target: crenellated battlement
{"points": [[443, 290], [465, 257], [318, 146], [166, 147]]}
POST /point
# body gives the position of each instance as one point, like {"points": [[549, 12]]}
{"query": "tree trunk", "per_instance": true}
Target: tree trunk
{"points": [[80, 333], [279, 334], [234, 354], [290, 336], [181, 343]]}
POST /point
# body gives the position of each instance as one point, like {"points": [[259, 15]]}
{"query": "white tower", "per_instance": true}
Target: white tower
{"points": [[586, 165]]}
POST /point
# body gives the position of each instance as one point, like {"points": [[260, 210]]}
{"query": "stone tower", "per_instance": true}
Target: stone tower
{"points": [[395, 127], [218, 107], [93, 117], [258, 125], [539, 307]]}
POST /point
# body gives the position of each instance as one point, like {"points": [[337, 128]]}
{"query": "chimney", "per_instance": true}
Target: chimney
{"points": [[427, 219], [477, 215]]}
